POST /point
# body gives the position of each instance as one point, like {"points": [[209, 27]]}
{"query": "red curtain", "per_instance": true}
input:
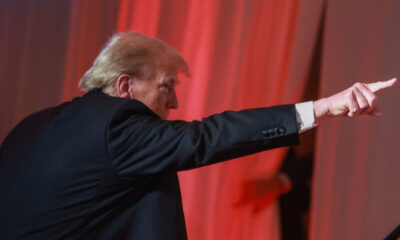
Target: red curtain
{"points": [[88, 30], [356, 185], [33, 43], [242, 54]]}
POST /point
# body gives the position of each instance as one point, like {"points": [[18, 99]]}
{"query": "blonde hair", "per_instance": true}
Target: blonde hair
{"points": [[134, 54]]}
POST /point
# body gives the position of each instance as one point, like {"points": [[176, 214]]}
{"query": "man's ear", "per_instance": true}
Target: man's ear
{"points": [[123, 86]]}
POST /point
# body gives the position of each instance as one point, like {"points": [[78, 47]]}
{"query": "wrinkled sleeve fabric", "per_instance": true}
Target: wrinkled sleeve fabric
{"points": [[140, 143]]}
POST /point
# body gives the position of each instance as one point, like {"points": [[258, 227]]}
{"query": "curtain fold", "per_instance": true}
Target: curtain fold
{"points": [[355, 191], [242, 54], [91, 24], [32, 57]]}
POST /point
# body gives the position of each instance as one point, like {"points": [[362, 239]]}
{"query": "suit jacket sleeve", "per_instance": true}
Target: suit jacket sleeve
{"points": [[139, 142]]}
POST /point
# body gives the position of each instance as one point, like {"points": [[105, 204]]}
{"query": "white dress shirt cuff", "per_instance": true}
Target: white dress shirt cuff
{"points": [[305, 116]]}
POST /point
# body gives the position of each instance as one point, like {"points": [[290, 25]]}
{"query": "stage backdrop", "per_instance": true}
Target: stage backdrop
{"points": [[357, 174], [247, 54], [244, 53]]}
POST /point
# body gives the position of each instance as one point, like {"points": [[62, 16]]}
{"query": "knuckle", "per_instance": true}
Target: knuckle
{"points": [[363, 106], [374, 99]]}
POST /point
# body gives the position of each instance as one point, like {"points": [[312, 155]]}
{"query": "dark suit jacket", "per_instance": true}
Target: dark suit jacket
{"points": [[101, 167]]}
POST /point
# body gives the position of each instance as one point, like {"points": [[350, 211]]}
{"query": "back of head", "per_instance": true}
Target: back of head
{"points": [[134, 54]]}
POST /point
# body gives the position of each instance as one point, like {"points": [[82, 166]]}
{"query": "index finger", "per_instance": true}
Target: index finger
{"points": [[378, 86]]}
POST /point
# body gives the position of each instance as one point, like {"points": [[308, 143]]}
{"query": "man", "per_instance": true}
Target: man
{"points": [[104, 165]]}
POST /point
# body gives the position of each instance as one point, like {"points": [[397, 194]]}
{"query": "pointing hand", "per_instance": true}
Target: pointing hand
{"points": [[356, 100]]}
